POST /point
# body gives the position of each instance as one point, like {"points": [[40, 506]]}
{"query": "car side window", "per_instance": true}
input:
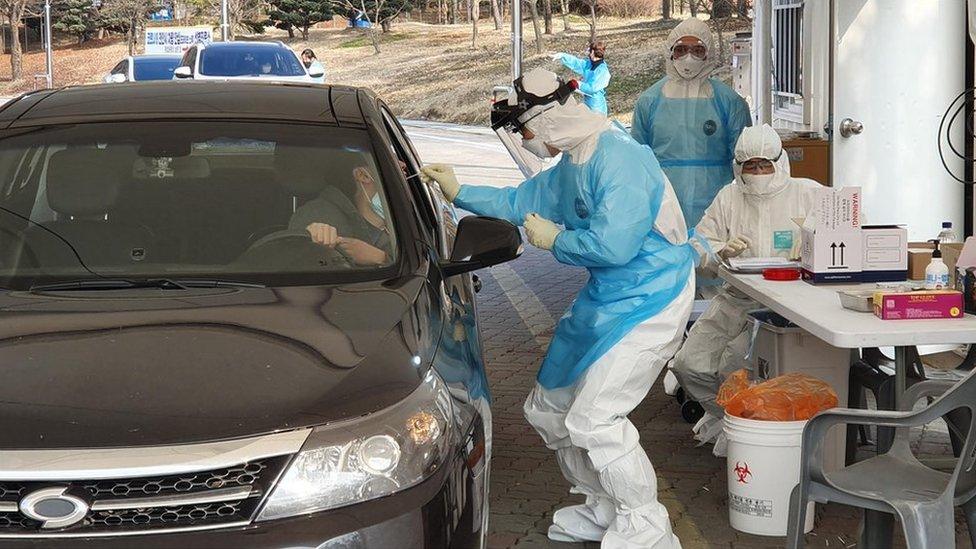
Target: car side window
{"points": [[120, 68], [190, 59], [442, 213]]}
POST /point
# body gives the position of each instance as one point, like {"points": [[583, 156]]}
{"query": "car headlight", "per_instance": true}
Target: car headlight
{"points": [[369, 457]]}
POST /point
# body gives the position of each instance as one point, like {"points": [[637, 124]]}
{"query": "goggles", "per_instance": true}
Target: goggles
{"points": [[681, 50]]}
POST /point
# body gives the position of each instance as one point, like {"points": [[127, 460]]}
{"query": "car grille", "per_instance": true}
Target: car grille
{"points": [[127, 505]]}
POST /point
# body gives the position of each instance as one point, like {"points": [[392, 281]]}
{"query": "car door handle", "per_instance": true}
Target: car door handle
{"points": [[477, 283]]}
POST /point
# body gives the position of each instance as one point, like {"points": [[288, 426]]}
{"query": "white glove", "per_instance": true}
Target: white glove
{"points": [[556, 56], [734, 247], [445, 178], [542, 233], [796, 251]]}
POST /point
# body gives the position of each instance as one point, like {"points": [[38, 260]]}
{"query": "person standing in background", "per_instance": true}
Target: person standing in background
{"points": [[311, 63], [594, 74], [691, 121]]}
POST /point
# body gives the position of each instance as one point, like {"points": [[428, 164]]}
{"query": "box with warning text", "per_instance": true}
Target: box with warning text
{"points": [[831, 241]]}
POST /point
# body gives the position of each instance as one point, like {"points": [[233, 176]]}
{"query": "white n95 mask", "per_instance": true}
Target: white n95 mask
{"points": [[689, 66], [537, 147], [758, 183]]}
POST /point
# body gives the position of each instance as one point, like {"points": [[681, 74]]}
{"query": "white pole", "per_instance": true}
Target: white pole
{"points": [[516, 39], [48, 49], [224, 23]]}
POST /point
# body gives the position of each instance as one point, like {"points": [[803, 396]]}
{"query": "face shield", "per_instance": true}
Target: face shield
{"points": [[510, 112]]}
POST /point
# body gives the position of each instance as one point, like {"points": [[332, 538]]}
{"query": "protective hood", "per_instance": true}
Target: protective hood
{"points": [[570, 127], [678, 86], [761, 142]]}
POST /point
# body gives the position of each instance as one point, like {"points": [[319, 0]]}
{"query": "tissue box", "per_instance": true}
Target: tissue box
{"points": [[918, 305], [831, 239], [885, 253]]}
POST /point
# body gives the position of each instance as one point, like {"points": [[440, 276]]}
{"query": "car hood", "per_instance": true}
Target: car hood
{"points": [[152, 367]]}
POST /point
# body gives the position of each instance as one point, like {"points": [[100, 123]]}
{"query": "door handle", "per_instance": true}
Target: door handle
{"points": [[849, 127]]}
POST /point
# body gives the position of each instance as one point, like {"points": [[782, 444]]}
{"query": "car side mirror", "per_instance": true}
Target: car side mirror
{"points": [[183, 72], [482, 242], [316, 72]]}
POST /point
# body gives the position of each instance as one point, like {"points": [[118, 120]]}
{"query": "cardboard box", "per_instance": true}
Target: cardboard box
{"points": [[885, 253], [920, 254], [930, 304], [831, 238]]}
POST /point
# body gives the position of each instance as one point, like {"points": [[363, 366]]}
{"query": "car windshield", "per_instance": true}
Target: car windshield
{"points": [[155, 68], [264, 203], [256, 60]]}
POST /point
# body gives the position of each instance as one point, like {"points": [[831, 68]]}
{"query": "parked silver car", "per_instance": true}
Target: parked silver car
{"points": [[138, 68]]}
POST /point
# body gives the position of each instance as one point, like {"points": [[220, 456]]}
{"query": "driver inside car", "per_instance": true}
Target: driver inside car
{"points": [[353, 222]]}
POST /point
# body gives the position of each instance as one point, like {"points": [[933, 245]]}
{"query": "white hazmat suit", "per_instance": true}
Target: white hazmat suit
{"points": [[607, 206], [760, 213]]}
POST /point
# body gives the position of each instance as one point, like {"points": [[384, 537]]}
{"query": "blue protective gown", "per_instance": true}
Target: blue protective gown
{"points": [[608, 206], [694, 140], [594, 82]]}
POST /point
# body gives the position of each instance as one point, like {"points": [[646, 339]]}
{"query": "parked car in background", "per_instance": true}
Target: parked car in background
{"points": [[187, 365], [140, 68], [245, 61]]}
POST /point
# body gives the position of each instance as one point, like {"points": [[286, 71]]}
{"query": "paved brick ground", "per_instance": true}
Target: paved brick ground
{"points": [[518, 306]]}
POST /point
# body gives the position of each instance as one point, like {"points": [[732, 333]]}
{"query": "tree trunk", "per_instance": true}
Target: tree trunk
{"points": [[547, 15], [454, 11], [666, 9], [386, 25], [564, 9], [374, 39], [534, 13], [496, 13], [721, 9], [592, 4], [14, 15], [693, 6], [474, 12], [742, 8], [305, 32]]}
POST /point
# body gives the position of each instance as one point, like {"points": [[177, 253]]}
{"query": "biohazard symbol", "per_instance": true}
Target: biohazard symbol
{"points": [[742, 471]]}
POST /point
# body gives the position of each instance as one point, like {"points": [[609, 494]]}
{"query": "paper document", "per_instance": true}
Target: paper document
{"points": [[756, 264]]}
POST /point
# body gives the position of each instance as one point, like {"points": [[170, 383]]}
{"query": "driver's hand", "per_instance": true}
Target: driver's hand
{"points": [[323, 234], [362, 253]]}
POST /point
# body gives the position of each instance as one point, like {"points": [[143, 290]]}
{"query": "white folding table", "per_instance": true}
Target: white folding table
{"points": [[817, 309]]}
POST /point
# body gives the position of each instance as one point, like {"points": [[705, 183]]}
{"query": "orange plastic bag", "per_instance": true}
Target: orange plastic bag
{"points": [[791, 397]]}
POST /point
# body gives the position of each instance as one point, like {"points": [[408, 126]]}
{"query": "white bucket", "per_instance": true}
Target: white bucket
{"points": [[763, 467]]}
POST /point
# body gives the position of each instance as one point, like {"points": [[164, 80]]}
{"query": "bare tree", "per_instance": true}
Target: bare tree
{"points": [[474, 13], [239, 12], [666, 9], [14, 11], [496, 13], [564, 11], [591, 4], [547, 15], [534, 14]]}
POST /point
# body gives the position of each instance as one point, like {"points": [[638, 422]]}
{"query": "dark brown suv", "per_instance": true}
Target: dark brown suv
{"points": [[232, 315]]}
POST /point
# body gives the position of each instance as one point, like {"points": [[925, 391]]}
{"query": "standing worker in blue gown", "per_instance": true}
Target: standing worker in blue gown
{"points": [[606, 206], [691, 121], [594, 74]]}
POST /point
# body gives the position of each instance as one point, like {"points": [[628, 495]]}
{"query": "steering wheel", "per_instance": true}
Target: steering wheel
{"points": [[294, 248], [263, 232]]}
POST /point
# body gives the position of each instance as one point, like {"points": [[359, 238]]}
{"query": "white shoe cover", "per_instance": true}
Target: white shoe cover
{"points": [[671, 385], [642, 522], [584, 522]]}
